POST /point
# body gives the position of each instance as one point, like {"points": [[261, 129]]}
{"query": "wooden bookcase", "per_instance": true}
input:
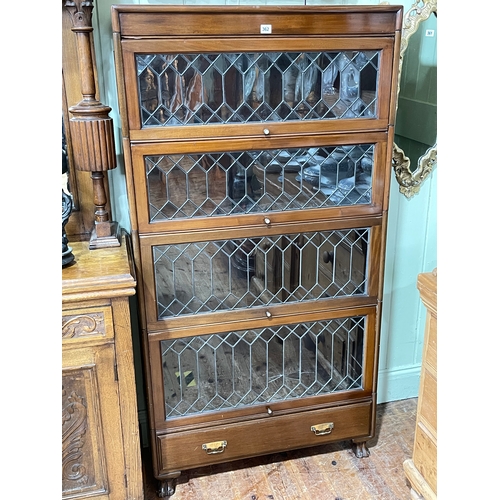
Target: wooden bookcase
{"points": [[257, 145]]}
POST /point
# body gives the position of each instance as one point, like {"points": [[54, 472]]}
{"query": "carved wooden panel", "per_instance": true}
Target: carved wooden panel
{"points": [[92, 449], [83, 467], [89, 324]]}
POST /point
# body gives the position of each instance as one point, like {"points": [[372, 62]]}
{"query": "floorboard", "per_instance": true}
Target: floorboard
{"points": [[329, 472]]}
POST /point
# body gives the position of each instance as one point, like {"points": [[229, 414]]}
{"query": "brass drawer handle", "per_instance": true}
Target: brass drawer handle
{"points": [[322, 429], [215, 447]]}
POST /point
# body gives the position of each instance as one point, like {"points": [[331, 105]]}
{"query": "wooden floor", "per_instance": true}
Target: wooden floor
{"points": [[329, 472]]}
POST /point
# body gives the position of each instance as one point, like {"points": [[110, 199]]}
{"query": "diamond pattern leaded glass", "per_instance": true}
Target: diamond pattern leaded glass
{"points": [[225, 183], [184, 89], [219, 275], [223, 371]]}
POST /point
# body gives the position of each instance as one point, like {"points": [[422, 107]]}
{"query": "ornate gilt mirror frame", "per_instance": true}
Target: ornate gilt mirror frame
{"points": [[410, 181]]}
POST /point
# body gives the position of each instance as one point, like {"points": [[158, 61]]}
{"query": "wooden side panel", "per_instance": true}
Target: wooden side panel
{"points": [[128, 399]]}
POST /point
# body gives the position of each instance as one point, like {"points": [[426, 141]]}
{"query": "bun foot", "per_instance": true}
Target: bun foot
{"points": [[166, 488], [360, 450]]}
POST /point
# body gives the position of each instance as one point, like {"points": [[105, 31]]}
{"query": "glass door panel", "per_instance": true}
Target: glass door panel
{"points": [[186, 186], [194, 89], [242, 368], [211, 276]]}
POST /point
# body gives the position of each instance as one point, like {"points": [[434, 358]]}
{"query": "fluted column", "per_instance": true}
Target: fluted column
{"points": [[92, 128]]}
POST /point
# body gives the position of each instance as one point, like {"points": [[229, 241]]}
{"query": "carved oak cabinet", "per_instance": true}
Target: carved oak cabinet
{"points": [[257, 145], [100, 431]]}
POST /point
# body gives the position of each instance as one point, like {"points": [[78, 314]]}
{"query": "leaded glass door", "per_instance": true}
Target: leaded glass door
{"points": [[182, 187], [263, 366], [328, 84], [229, 276]]}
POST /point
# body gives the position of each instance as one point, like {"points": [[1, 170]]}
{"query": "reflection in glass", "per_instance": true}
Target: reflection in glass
{"points": [[243, 368], [181, 89], [416, 118], [233, 182], [219, 275]]}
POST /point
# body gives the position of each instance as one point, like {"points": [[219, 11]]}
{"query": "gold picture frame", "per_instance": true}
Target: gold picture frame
{"points": [[410, 180]]}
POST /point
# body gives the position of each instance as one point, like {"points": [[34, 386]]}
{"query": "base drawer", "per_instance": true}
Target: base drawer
{"points": [[222, 443]]}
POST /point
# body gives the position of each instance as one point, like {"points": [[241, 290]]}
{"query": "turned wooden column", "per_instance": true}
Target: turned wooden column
{"points": [[92, 128]]}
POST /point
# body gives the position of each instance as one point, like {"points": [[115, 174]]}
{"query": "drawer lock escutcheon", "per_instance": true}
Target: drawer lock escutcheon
{"points": [[322, 429], [215, 447]]}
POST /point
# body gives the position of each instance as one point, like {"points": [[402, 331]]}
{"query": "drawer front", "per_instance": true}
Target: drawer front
{"points": [[188, 449], [87, 325]]}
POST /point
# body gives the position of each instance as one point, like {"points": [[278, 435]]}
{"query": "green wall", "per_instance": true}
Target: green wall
{"points": [[411, 245]]}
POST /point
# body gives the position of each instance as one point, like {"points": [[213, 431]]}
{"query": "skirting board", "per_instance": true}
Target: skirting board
{"points": [[394, 385]]}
